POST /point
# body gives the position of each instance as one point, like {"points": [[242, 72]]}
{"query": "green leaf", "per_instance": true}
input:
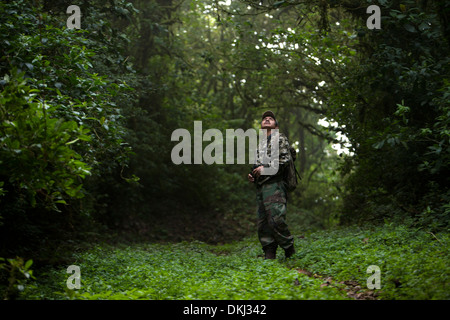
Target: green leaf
{"points": [[279, 4], [73, 141], [28, 264], [424, 26], [410, 28], [379, 144]]}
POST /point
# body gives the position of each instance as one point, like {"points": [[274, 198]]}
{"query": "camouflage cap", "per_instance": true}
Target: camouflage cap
{"points": [[269, 113]]}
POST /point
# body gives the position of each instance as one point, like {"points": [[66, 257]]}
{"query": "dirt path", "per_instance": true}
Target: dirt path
{"points": [[354, 289]]}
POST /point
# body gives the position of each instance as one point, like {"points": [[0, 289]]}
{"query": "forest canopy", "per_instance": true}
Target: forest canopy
{"points": [[86, 115]]}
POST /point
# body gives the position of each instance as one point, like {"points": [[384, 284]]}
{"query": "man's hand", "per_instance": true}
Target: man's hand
{"points": [[255, 173], [258, 171]]}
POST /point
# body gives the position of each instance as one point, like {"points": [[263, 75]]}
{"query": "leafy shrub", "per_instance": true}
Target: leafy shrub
{"points": [[413, 262], [18, 272], [60, 129], [184, 271], [37, 153]]}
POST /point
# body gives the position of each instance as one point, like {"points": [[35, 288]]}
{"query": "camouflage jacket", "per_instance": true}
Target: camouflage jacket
{"points": [[264, 153]]}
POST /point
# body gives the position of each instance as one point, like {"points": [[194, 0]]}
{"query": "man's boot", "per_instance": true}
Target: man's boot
{"points": [[289, 251], [270, 251]]}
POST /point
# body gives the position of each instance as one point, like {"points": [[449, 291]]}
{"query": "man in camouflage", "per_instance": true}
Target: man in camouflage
{"points": [[271, 194]]}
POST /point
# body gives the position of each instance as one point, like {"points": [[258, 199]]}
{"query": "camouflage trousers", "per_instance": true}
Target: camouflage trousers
{"points": [[272, 228]]}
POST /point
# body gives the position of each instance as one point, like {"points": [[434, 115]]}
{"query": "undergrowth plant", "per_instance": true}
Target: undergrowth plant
{"points": [[413, 265]]}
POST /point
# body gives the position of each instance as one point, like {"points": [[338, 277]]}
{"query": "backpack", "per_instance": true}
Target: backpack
{"points": [[291, 172]]}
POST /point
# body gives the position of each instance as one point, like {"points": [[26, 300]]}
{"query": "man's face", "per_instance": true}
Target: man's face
{"points": [[268, 123]]}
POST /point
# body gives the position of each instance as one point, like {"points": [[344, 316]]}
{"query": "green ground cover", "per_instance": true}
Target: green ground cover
{"points": [[413, 265]]}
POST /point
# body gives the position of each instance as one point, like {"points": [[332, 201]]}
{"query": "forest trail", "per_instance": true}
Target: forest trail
{"points": [[94, 123], [328, 265]]}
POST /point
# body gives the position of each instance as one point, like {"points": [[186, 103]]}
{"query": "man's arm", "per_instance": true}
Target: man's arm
{"points": [[284, 152]]}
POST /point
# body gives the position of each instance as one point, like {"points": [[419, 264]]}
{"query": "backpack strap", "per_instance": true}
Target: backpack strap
{"points": [[297, 174]]}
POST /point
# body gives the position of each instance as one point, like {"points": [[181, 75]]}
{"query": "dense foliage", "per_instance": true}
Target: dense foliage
{"points": [[413, 265], [61, 127], [395, 109], [87, 116]]}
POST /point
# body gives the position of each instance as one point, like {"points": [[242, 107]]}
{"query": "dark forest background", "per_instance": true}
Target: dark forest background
{"points": [[86, 116]]}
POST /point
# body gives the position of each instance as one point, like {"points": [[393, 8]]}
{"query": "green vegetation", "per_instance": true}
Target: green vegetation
{"points": [[414, 264], [86, 118], [185, 271]]}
